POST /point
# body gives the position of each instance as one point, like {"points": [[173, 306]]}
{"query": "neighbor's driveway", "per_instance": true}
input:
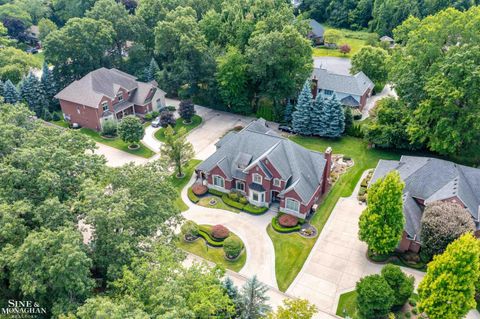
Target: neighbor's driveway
{"points": [[338, 259]]}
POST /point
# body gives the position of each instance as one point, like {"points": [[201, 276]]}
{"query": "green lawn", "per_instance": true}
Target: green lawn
{"points": [[216, 255], [61, 123], [179, 183], [196, 121], [347, 302], [38, 59], [355, 39], [205, 202], [290, 249], [364, 158], [117, 143]]}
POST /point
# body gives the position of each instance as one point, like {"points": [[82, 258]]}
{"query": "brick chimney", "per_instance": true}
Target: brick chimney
{"points": [[314, 87], [328, 168]]}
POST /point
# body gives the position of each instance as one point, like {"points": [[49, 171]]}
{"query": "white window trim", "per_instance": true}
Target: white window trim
{"points": [[105, 103], [241, 183], [292, 200], [213, 180], [259, 194], [277, 181], [253, 178]]}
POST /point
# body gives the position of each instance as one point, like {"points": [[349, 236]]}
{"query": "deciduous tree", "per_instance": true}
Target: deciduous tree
{"points": [[373, 62], [375, 297], [186, 109], [130, 130], [448, 288], [401, 284], [381, 223], [177, 150], [294, 309]]}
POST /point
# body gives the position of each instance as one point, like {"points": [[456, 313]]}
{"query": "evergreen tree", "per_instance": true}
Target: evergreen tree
{"points": [[348, 118], [10, 93], [301, 116], [334, 116], [253, 300], [2, 86], [32, 93], [49, 86], [151, 70], [287, 114], [230, 288], [319, 126]]}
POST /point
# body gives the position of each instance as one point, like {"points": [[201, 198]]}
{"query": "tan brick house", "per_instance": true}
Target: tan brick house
{"points": [[108, 95]]}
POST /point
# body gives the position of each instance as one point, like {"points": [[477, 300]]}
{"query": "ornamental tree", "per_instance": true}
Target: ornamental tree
{"points": [[232, 247], [375, 297], [382, 222], [401, 284], [345, 48], [176, 149], [167, 118], [130, 130], [189, 229], [220, 232], [186, 109], [294, 309], [448, 288], [301, 117], [442, 223]]}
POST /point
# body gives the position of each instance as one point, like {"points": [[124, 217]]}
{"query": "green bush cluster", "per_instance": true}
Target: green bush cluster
{"points": [[279, 228], [232, 247], [255, 210], [192, 197], [215, 192], [210, 240], [362, 193], [148, 117], [230, 202]]}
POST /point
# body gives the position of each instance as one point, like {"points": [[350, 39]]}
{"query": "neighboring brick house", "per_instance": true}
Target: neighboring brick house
{"points": [[428, 180], [267, 168], [108, 95], [350, 90]]}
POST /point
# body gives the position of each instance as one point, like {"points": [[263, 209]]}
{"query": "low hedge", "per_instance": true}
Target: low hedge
{"points": [[209, 239], [215, 192], [255, 210], [230, 202], [279, 228], [192, 196]]}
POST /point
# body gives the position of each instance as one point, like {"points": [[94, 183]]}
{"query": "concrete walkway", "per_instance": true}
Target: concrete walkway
{"points": [[371, 101]]}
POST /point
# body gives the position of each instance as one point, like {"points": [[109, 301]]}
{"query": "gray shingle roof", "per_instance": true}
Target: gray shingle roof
{"points": [[432, 179], [317, 28], [349, 101], [90, 89], [356, 84], [301, 168]]}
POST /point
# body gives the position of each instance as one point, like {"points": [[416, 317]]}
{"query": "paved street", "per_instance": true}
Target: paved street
{"points": [[333, 64]]}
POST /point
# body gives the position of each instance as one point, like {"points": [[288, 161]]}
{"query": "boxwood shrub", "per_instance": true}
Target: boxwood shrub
{"points": [[209, 239], [215, 192], [230, 202], [192, 196], [276, 226], [255, 210]]}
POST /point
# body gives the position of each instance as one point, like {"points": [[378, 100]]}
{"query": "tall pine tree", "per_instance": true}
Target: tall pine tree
{"points": [[319, 126], [2, 86], [334, 116], [301, 115], [151, 70], [32, 93], [287, 114], [10, 93], [49, 86]]}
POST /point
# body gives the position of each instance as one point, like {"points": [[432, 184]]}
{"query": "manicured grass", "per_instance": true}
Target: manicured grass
{"points": [[291, 251], [61, 123], [179, 183], [215, 255], [364, 158], [117, 143], [196, 121], [204, 201], [347, 302], [355, 39]]}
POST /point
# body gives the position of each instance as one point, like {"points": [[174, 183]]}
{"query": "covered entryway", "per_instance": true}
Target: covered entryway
{"points": [[275, 197]]}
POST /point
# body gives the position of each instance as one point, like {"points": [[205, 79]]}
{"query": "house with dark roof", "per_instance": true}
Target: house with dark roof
{"points": [[428, 180], [351, 90], [316, 32], [267, 168], [108, 95]]}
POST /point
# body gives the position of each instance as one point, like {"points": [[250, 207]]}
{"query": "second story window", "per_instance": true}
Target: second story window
{"points": [[276, 182], [328, 92], [105, 106], [120, 96], [257, 178]]}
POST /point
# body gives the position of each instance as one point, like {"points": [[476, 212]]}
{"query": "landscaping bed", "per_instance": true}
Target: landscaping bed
{"points": [[285, 229], [196, 121], [179, 183], [408, 259], [212, 249]]}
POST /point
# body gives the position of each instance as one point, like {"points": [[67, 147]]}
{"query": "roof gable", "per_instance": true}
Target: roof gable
{"points": [[356, 84]]}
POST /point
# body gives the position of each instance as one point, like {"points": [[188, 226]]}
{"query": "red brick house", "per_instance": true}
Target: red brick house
{"points": [[268, 168], [108, 95], [428, 180]]}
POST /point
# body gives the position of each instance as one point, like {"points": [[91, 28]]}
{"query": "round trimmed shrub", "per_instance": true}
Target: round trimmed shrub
{"points": [[220, 232], [232, 247], [233, 196], [243, 200], [286, 220], [109, 128], [199, 189], [189, 230]]}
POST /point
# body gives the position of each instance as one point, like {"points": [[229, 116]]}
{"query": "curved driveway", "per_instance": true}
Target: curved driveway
{"points": [[251, 229]]}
